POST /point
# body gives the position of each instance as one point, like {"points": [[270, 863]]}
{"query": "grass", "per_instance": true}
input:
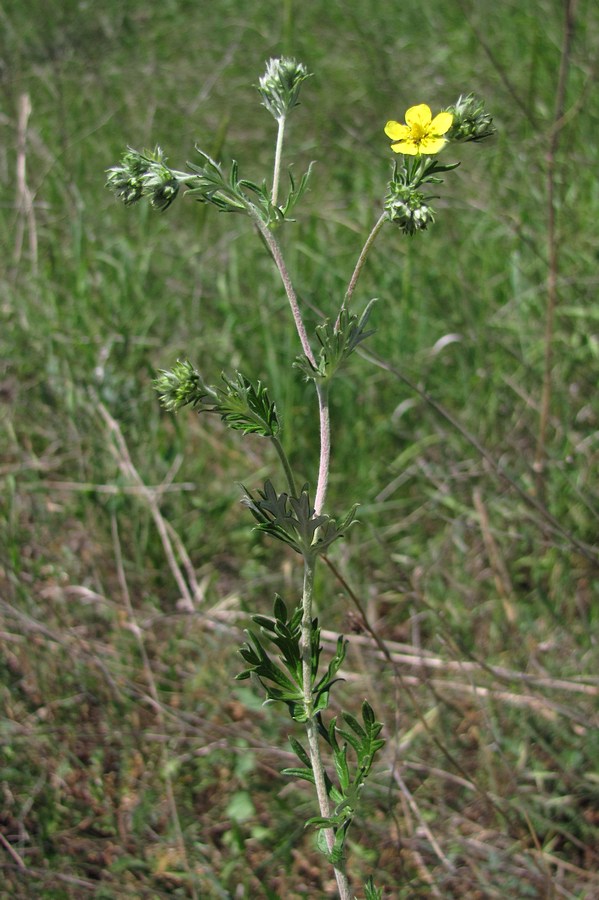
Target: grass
{"points": [[130, 758]]}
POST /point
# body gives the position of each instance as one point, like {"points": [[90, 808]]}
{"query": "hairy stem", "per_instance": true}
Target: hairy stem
{"points": [[361, 260], [278, 153], [311, 726], [325, 446], [277, 256], [286, 466]]}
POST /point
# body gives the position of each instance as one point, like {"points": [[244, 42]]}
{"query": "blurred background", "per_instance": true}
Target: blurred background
{"points": [[132, 764]]}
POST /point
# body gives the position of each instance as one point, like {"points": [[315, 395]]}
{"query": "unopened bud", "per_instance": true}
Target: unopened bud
{"points": [[280, 85], [408, 208], [144, 175], [470, 120], [180, 387]]}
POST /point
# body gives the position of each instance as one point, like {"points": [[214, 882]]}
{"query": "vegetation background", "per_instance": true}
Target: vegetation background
{"points": [[133, 765]]}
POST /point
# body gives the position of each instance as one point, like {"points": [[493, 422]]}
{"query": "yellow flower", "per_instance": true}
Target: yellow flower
{"points": [[421, 133]]}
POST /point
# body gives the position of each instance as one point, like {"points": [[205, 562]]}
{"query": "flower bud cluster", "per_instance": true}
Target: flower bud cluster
{"points": [[280, 85], [144, 175], [470, 120], [180, 387], [407, 208]]}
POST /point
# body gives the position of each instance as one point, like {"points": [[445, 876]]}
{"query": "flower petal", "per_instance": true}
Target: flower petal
{"points": [[410, 148], [419, 115], [441, 123], [396, 131], [430, 145]]}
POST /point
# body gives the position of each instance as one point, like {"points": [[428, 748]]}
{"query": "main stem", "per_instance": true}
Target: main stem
{"points": [[277, 256], [278, 153], [311, 726], [322, 390]]}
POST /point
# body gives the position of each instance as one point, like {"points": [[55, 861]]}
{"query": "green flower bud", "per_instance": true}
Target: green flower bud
{"points": [[280, 85], [470, 121], [408, 208], [181, 387], [126, 180], [160, 186], [144, 175]]}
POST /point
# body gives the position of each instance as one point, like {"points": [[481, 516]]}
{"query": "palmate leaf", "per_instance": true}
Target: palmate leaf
{"points": [[246, 407], [284, 632], [261, 665], [273, 514], [364, 740], [270, 213], [337, 342], [418, 170], [209, 184], [333, 529], [293, 520], [147, 175]]}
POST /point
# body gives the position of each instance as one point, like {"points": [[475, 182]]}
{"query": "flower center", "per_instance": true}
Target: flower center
{"points": [[418, 133]]}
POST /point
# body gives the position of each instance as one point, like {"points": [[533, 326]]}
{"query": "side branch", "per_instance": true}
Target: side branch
{"points": [[361, 260]]}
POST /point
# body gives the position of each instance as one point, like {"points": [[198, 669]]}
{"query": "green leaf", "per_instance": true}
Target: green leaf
{"points": [[341, 767], [246, 407], [334, 665], [300, 752], [321, 822], [285, 634], [264, 622], [371, 892], [354, 724], [351, 739], [280, 610], [296, 772], [242, 676], [295, 194], [293, 520], [338, 341], [367, 713], [208, 184]]}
